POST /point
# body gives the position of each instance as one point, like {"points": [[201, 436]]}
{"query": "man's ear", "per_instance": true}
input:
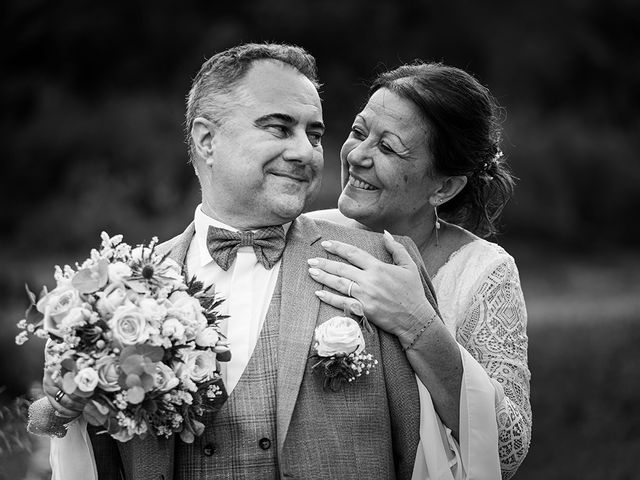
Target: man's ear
{"points": [[202, 133], [448, 189]]}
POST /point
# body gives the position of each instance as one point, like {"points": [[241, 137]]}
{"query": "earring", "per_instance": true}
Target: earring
{"points": [[437, 224]]}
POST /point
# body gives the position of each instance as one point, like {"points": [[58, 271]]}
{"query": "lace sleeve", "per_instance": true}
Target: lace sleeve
{"points": [[493, 331]]}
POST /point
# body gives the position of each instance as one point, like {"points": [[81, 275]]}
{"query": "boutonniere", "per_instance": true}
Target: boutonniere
{"points": [[340, 348]]}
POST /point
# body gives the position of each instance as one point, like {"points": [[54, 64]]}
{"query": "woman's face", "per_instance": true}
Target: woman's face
{"points": [[385, 165]]}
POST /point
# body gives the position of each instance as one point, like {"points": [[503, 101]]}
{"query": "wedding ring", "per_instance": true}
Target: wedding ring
{"points": [[349, 289], [59, 395]]}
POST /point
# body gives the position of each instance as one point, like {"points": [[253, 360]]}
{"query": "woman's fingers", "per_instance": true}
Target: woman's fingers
{"points": [[354, 255], [320, 273], [346, 304], [398, 251]]}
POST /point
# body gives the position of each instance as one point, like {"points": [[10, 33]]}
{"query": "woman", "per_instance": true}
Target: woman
{"points": [[423, 160]]}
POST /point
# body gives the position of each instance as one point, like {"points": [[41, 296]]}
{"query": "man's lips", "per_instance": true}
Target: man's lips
{"points": [[293, 176], [361, 184]]}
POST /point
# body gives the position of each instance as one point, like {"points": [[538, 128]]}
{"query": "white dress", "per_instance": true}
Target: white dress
{"points": [[481, 302]]}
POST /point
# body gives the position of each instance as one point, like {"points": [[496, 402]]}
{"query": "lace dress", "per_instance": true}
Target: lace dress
{"points": [[481, 302]]}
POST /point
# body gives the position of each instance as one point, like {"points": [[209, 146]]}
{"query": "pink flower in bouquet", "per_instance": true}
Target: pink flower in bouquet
{"points": [[208, 337], [76, 317], [86, 379], [92, 278], [118, 271], [200, 364], [108, 373], [109, 300], [188, 310], [165, 378], [173, 328], [129, 325], [152, 310], [56, 305]]}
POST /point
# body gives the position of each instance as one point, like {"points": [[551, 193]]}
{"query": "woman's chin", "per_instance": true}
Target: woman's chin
{"points": [[350, 207]]}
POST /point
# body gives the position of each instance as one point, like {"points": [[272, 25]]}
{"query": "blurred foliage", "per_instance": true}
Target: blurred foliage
{"points": [[92, 110]]}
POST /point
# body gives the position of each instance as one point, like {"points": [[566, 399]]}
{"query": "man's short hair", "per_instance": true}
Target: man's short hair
{"points": [[219, 75]]}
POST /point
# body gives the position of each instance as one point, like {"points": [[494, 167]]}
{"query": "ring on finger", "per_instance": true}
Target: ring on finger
{"points": [[59, 395], [350, 287]]}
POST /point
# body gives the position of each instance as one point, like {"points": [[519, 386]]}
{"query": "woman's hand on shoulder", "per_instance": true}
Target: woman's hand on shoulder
{"points": [[389, 295]]}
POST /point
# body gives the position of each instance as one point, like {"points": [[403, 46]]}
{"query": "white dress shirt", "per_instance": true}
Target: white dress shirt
{"points": [[247, 288]]}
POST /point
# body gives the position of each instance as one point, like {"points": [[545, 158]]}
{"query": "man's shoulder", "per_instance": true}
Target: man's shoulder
{"points": [[339, 232], [373, 242]]}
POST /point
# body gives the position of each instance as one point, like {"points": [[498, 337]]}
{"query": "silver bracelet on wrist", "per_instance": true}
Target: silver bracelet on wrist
{"points": [[422, 330]]}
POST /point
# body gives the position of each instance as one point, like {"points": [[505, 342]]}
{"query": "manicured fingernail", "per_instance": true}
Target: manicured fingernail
{"points": [[313, 261], [388, 235], [314, 271], [326, 244], [319, 293]]}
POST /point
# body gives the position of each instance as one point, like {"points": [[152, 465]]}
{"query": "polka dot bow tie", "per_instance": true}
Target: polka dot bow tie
{"points": [[268, 244]]}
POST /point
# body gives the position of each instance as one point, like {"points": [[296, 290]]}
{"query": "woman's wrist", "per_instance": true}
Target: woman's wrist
{"points": [[421, 318]]}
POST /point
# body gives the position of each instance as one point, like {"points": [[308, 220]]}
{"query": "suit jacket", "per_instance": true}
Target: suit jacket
{"points": [[392, 383]]}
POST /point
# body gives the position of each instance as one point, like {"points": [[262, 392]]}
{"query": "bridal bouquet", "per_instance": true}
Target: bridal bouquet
{"points": [[132, 336]]}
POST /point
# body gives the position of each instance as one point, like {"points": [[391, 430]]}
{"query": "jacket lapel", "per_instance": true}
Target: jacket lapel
{"points": [[178, 246], [298, 317]]}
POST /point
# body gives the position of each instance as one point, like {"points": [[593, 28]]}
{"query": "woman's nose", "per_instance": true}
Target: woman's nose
{"points": [[360, 156]]}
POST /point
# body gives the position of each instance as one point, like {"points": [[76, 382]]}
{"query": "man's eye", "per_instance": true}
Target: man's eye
{"points": [[315, 138], [280, 130], [356, 132]]}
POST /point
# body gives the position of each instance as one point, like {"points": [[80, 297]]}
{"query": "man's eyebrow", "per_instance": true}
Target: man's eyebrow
{"points": [[282, 117], [318, 125], [287, 119]]}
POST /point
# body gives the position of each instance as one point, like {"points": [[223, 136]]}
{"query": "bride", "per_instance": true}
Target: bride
{"points": [[425, 149]]}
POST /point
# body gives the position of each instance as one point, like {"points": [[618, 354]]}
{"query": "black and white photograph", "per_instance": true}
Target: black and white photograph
{"points": [[320, 240]]}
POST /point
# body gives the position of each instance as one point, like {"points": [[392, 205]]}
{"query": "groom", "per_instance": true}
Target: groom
{"points": [[255, 123]]}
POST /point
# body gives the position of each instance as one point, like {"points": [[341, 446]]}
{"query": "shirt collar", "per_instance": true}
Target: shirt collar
{"points": [[202, 221]]}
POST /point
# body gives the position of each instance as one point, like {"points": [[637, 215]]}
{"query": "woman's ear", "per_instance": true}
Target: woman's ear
{"points": [[202, 133], [448, 189]]}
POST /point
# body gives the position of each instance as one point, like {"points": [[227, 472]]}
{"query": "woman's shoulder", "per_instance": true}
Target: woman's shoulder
{"points": [[473, 257], [479, 254]]}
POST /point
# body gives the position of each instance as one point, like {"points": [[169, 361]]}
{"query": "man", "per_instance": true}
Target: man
{"points": [[255, 125]]}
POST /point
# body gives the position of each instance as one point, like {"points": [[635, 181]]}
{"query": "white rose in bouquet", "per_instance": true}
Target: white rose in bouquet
{"points": [[129, 325], [56, 305]]}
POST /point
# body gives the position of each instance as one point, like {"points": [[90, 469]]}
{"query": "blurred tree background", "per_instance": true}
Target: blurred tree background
{"points": [[92, 100]]}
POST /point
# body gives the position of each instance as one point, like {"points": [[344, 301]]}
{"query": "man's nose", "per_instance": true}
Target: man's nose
{"points": [[299, 149]]}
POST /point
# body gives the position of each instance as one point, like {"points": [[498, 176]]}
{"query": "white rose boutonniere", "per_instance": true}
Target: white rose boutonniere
{"points": [[339, 346]]}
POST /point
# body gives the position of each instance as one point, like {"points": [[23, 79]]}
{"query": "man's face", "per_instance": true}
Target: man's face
{"points": [[266, 156]]}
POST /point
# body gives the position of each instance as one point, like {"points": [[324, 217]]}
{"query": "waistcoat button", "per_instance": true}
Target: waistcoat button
{"points": [[208, 449], [264, 443]]}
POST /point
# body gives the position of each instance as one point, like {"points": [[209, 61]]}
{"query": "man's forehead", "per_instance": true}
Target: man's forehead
{"points": [[277, 83]]}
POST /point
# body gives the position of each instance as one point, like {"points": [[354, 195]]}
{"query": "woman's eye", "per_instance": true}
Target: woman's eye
{"points": [[386, 148], [358, 133]]}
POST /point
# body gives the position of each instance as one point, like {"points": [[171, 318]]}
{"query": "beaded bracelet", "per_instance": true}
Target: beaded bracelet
{"points": [[422, 330]]}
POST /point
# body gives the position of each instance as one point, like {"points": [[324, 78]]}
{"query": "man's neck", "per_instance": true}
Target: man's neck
{"points": [[239, 223]]}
